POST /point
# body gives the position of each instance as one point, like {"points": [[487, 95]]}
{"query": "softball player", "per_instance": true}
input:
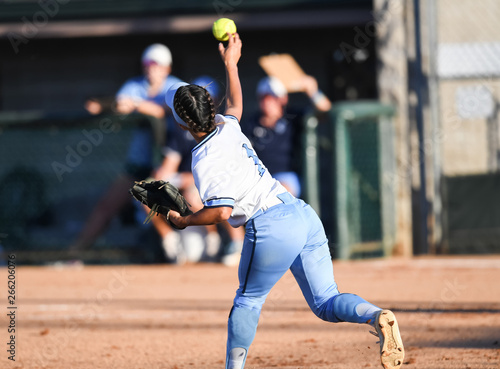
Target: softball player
{"points": [[282, 232]]}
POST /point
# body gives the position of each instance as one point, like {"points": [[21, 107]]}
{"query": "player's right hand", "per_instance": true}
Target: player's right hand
{"points": [[176, 219], [232, 52]]}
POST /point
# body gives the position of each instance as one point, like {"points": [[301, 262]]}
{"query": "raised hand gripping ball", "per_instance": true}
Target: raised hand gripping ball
{"points": [[221, 28]]}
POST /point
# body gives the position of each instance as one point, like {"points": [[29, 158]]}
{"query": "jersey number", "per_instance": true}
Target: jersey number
{"points": [[251, 154]]}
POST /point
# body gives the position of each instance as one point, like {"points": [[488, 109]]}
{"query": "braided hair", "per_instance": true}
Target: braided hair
{"points": [[194, 105]]}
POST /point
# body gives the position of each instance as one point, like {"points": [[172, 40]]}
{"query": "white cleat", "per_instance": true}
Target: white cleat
{"points": [[213, 243], [232, 253], [392, 352], [173, 248]]}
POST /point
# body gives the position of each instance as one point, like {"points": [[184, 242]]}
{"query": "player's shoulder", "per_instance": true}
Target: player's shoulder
{"points": [[227, 131], [229, 120], [134, 87]]}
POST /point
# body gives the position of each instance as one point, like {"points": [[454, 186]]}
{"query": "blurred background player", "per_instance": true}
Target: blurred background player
{"points": [[143, 94], [198, 243], [274, 130], [100, 105]]}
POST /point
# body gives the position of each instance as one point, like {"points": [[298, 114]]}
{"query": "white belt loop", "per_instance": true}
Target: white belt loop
{"points": [[271, 202]]}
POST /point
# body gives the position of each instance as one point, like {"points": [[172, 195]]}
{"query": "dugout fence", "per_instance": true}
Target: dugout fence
{"points": [[349, 177], [54, 169]]}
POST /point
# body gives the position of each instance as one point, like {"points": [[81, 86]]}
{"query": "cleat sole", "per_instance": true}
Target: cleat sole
{"points": [[391, 345]]}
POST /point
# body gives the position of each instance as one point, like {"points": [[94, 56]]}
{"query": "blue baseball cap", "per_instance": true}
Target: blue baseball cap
{"points": [[271, 86]]}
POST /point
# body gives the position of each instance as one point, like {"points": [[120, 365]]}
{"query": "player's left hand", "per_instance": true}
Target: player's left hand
{"points": [[160, 197], [177, 219]]}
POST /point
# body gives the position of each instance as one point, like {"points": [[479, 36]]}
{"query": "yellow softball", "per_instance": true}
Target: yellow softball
{"points": [[221, 28]]}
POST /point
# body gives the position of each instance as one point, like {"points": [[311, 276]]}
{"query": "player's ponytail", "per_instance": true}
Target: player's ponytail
{"points": [[194, 105]]}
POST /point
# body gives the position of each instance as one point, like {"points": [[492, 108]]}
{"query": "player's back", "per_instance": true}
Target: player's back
{"points": [[228, 172]]}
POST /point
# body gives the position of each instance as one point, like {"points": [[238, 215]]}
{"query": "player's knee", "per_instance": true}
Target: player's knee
{"points": [[320, 312], [325, 310], [249, 302]]}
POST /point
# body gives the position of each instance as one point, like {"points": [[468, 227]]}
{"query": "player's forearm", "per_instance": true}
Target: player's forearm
{"points": [[320, 101], [127, 105], [150, 108], [169, 166], [205, 216], [234, 94], [309, 85]]}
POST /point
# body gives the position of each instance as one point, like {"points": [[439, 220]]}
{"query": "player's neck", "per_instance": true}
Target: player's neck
{"points": [[198, 136]]}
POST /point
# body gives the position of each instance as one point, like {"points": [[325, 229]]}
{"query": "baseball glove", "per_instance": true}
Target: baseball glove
{"points": [[160, 197]]}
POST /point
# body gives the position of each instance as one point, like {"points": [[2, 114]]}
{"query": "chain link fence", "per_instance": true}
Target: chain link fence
{"points": [[54, 169], [468, 80], [349, 177]]}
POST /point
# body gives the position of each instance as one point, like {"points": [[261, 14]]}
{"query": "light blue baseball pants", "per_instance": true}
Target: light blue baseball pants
{"points": [[287, 236]]}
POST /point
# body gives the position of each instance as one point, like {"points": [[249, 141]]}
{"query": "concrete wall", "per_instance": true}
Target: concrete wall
{"points": [[465, 148]]}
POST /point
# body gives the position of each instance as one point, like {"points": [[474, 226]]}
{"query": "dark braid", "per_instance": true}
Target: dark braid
{"points": [[194, 105]]}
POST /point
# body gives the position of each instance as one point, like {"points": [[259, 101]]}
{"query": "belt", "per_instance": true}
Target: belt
{"points": [[274, 200]]}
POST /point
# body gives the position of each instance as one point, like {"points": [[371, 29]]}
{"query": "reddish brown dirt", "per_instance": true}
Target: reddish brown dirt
{"points": [[163, 316]]}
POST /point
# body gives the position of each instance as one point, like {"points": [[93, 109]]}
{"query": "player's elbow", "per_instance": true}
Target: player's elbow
{"points": [[215, 215], [224, 213]]}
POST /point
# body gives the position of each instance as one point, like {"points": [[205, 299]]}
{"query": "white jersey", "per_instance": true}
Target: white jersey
{"points": [[227, 172]]}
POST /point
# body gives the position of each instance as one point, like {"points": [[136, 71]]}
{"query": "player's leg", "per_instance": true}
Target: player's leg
{"points": [[232, 251], [212, 239], [313, 271], [138, 166], [272, 242], [107, 207]]}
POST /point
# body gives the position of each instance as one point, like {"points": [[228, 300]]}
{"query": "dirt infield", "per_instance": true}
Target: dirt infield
{"points": [[164, 316]]}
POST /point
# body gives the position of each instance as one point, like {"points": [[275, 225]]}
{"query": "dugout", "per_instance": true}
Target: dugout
{"points": [[88, 48], [472, 214], [55, 168]]}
